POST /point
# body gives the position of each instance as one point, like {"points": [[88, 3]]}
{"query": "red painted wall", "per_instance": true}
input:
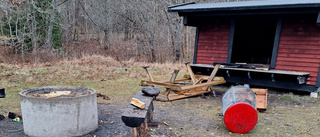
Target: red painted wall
{"points": [[299, 47], [213, 43]]}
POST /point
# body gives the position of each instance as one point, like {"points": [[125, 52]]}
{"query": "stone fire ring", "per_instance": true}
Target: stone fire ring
{"points": [[66, 115]]}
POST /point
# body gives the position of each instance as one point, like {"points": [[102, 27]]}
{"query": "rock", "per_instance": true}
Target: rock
{"points": [[2, 93], [151, 91], [2, 117]]}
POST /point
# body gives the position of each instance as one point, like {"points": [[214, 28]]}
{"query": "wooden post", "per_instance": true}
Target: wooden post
{"points": [[174, 76], [142, 130], [213, 73], [148, 73], [191, 72], [167, 93], [135, 132]]}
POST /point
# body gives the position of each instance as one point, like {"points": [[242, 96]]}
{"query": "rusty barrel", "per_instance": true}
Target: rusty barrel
{"points": [[239, 109]]}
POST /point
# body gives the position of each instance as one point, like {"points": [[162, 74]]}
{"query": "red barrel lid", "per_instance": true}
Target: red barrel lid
{"points": [[240, 117]]}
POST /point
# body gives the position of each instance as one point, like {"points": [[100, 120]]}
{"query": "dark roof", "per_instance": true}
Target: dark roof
{"points": [[245, 5]]}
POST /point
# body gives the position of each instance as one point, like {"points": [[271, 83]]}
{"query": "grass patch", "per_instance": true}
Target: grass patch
{"points": [[287, 114]]}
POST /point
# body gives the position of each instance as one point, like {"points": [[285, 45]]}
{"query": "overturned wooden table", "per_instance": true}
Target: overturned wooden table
{"points": [[198, 84]]}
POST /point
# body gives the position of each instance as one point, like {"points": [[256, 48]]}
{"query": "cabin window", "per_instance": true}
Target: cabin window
{"points": [[253, 40]]}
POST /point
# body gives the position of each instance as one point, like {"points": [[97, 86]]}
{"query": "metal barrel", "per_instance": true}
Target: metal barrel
{"points": [[239, 109]]}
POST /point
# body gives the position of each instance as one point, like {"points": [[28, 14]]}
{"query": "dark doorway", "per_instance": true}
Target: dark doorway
{"points": [[253, 40]]}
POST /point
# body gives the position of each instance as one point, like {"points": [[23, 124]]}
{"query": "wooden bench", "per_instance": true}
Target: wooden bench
{"points": [[138, 118]]}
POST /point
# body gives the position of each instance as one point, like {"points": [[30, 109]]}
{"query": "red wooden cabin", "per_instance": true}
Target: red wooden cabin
{"points": [[283, 35]]}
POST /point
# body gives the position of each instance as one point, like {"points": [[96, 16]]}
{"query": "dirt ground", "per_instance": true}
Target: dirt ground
{"points": [[201, 116]]}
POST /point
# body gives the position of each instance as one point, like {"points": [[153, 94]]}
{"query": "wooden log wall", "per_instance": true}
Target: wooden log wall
{"points": [[213, 42], [299, 46]]}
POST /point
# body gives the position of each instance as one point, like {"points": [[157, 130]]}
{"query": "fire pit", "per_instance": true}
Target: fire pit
{"points": [[59, 111]]}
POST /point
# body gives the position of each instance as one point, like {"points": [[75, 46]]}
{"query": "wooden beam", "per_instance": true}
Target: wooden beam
{"points": [[185, 20], [318, 78], [167, 85], [174, 76], [176, 80], [318, 18], [148, 73], [197, 82], [203, 85], [214, 72], [231, 37], [276, 44], [191, 72], [196, 46]]}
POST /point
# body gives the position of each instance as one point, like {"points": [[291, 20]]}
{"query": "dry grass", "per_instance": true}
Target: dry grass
{"points": [[287, 115], [118, 80]]}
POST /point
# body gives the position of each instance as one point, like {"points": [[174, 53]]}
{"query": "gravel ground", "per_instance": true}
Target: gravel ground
{"points": [[196, 116]]}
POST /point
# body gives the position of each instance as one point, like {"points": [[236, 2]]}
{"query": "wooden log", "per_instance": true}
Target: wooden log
{"points": [[133, 116]]}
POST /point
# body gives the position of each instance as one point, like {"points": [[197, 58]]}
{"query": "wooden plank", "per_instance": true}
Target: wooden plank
{"points": [[174, 96], [261, 97], [198, 81], [174, 76], [156, 83], [292, 68], [216, 56], [215, 27], [298, 64], [312, 78], [213, 38], [313, 74], [221, 32], [193, 79], [211, 58], [276, 71], [300, 46], [211, 47], [207, 61], [210, 61], [214, 41], [294, 42], [213, 55], [295, 31], [312, 56], [299, 38], [298, 51], [148, 73], [215, 52], [300, 34], [311, 83], [138, 103], [202, 85], [176, 80], [276, 43], [317, 61], [214, 72]]}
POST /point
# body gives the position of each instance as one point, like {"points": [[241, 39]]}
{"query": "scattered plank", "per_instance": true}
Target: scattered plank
{"points": [[138, 103]]}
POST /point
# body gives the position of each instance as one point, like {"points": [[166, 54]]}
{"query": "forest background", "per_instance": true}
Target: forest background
{"points": [[34, 31]]}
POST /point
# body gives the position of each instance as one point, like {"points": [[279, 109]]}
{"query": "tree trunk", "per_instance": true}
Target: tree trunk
{"points": [[177, 42], [106, 39], [32, 27], [76, 20], [48, 44]]}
